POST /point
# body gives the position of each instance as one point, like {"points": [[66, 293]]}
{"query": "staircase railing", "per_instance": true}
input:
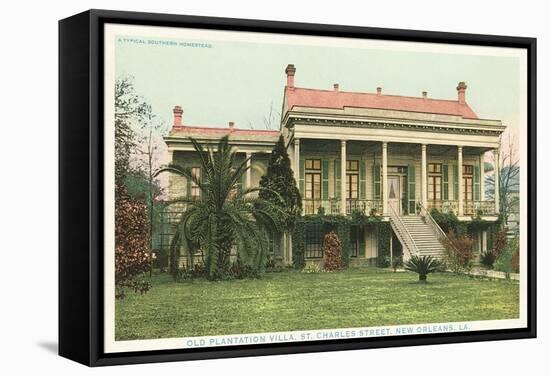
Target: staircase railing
{"points": [[431, 221], [402, 232]]}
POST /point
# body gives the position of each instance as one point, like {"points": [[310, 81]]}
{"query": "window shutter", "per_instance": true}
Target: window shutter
{"points": [[455, 182], [411, 189], [445, 171], [324, 177], [376, 189], [337, 178], [362, 180], [302, 175], [477, 185]]}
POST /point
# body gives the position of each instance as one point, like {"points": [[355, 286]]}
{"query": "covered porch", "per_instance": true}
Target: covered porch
{"points": [[340, 177]]}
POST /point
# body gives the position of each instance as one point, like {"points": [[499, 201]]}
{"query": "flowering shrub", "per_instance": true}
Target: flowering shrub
{"points": [[132, 257], [332, 252], [458, 251]]}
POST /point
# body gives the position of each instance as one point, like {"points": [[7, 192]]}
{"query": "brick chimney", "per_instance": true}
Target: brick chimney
{"points": [[231, 126], [461, 89], [178, 112], [425, 94], [336, 87], [378, 91], [290, 71]]}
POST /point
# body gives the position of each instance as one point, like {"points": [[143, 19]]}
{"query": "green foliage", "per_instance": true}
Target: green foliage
{"points": [[488, 259], [447, 221], [132, 256], [339, 224], [279, 186], [500, 243], [423, 265], [312, 267], [343, 231], [160, 259], [358, 218], [384, 250], [130, 108], [397, 262], [240, 270], [505, 261], [191, 272], [298, 244], [224, 216]]}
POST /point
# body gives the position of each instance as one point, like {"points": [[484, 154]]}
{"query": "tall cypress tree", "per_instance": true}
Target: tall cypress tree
{"points": [[280, 178]]}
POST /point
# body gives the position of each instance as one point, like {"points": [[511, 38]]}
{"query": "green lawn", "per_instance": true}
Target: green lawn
{"points": [[291, 300]]}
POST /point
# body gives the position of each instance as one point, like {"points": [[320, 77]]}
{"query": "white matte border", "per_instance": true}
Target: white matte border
{"points": [[112, 30]]}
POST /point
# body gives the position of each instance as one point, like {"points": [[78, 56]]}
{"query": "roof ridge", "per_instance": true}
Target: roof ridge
{"points": [[376, 95]]}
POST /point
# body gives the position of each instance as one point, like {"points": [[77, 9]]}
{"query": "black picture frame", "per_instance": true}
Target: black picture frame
{"points": [[81, 198]]}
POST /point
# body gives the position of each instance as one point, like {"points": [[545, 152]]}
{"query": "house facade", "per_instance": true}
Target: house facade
{"points": [[386, 156]]}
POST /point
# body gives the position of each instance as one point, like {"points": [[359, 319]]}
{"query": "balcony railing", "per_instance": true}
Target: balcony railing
{"points": [[479, 208], [365, 207], [328, 207], [469, 207], [445, 207], [332, 207]]}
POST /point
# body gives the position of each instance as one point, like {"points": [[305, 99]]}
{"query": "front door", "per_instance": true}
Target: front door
{"points": [[394, 193]]}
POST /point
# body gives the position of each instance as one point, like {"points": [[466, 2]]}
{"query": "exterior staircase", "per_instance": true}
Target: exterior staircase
{"points": [[424, 236], [419, 235]]}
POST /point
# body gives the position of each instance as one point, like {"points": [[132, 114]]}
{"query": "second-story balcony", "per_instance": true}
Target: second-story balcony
{"points": [[332, 207], [470, 208]]}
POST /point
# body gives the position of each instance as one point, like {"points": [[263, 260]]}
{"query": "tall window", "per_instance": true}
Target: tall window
{"points": [[195, 189], [352, 179], [312, 185], [434, 181], [468, 182]]}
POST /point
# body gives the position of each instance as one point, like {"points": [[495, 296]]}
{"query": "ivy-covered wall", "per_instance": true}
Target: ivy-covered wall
{"points": [[449, 221], [384, 249], [339, 224]]}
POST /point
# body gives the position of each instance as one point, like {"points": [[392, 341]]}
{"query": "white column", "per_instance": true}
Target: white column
{"points": [[483, 241], [297, 161], [482, 176], [385, 178], [496, 154], [343, 177], [248, 170], [460, 188], [424, 177]]}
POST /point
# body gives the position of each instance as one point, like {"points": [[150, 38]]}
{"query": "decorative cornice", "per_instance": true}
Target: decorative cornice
{"points": [[377, 124]]}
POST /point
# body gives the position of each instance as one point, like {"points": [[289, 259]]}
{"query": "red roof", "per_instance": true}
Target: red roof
{"points": [[340, 99], [222, 131]]}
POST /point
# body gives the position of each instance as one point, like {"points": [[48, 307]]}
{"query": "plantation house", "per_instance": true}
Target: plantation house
{"points": [[389, 157]]}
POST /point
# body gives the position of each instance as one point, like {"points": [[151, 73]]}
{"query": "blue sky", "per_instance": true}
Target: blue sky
{"points": [[241, 81]]}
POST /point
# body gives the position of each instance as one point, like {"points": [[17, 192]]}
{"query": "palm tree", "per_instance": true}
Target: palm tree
{"points": [[224, 215], [423, 265]]}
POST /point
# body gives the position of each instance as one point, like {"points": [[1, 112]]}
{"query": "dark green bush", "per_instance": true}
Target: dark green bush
{"points": [[423, 265], [160, 260], [397, 262], [488, 259], [240, 270]]}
